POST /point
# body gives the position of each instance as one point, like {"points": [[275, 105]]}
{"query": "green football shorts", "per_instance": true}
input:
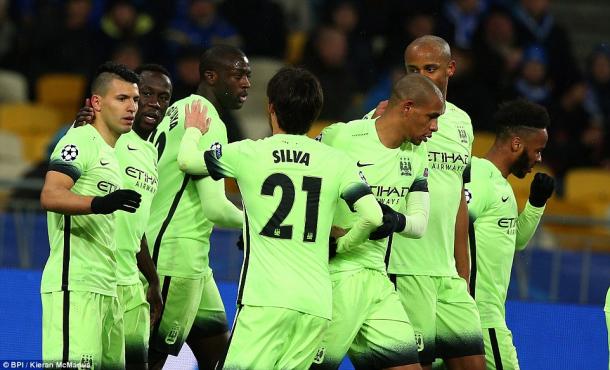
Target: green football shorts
{"points": [[444, 316], [211, 319], [500, 353], [369, 324], [273, 338], [181, 297], [186, 303], [136, 319], [82, 328]]}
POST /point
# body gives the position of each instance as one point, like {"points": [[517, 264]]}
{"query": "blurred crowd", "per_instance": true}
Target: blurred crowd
{"points": [[503, 49]]}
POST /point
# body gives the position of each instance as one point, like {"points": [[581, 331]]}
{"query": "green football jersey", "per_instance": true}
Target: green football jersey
{"points": [[448, 154], [389, 172], [290, 186], [83, 251], [138, 163], [178, 234], [494, 230]]}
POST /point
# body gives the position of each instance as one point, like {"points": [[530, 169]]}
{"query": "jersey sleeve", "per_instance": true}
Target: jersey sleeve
{"points": [[224, 161], [331, 134], [73, 155], [421, 180], [353, 185], [476, 195], [418, 200], [527, 222]]}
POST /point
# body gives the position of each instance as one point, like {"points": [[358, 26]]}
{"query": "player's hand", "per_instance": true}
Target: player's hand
{"points": [[155, 300], [240, 242], [85, 115], [124, 199], [196, 116], [541, 189], [337, 232], [392, 221], [380, 108]]}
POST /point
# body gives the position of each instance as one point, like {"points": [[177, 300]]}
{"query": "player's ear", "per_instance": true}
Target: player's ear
{"points": [[211, 77], [407, 105], [451, 68], [96, 102], [516, 144]]}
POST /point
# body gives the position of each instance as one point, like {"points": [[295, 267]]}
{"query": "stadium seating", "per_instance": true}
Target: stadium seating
{"points": [[29, 119], [586, 205], [64, 92], [588, 185], [36, 147], [12, 163], [34, 124], [295, 47], [13, 87]]}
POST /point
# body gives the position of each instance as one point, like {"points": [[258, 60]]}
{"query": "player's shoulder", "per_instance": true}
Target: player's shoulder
{"points": [[177, 108], [454, 113], [84, 138], [85, 132], [481, 167], [345, 130]]}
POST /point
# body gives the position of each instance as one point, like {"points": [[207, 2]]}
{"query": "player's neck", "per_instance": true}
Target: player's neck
{"points": [[387, 133], [108, 135], [499, 159], [275, 127], [206, 91]]}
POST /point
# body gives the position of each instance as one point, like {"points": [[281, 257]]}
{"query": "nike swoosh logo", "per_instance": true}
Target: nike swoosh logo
{"points": [[130, 148], [363, 164], [504, 199], [103, 163]]}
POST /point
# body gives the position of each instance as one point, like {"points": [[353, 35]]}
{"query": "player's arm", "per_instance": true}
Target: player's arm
{"points": [[460, 243], [56, 196], [215, 205], [541, 190], [369, 217], [414, 222], [411, 224], [196, 123], [190, 157], [147, 268], [360, 199]]}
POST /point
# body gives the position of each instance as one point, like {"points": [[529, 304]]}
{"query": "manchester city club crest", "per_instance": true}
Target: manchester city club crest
{"points": [[405, 167], [462, 134]]}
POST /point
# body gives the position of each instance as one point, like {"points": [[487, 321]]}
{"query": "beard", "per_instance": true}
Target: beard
{"points": [[521, 165]]}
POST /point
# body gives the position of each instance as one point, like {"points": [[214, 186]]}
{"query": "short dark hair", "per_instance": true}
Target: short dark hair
{"points": [[108, 71], [217, 56], [297, 99], [152, 67], [518, 115]]}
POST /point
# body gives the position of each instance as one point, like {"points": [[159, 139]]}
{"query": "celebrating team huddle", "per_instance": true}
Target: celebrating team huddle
{"points": [[380, 240]]}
